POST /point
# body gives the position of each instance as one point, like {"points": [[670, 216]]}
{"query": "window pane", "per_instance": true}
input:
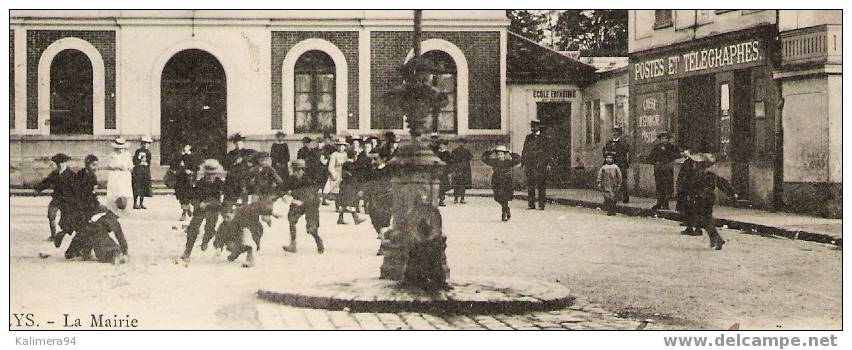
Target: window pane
{"points": [[451, 103], [303, 82], [325, 102], [447, 82], [447, 121], [303, 102], [325, 121], [303, 121], [326, 82]]}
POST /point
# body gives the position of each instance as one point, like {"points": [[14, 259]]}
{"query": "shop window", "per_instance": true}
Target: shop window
{"points": [[314, 93], [71, 103], [662, 19], [444, 79], [588, 122], [724, 121], [760, 130], [596, 105]]}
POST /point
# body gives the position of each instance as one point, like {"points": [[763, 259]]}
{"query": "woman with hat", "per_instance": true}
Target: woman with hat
{"points": [[184, 167], [62, 181], [502, 162], [207, 192], [706, 183], [119, 178], [335, 169], [142, 173]]}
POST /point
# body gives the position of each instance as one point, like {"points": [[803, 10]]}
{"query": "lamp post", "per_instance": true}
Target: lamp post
{"points": [[414, 247]]}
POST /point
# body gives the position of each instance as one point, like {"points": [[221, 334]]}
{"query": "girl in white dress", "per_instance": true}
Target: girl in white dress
{"points": [[119, 178], [335, 168]]}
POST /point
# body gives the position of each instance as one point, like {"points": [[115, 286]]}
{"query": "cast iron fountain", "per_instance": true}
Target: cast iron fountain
{"points": [[414, 275]]}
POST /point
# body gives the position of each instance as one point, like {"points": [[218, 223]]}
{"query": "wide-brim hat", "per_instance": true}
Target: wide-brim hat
{"points": [[60, 158], [298, 164], [340, 141], [147, 139], [236, 137], [534, 122], [280, 134], [306, 139], [119, 143], [212, 166], [501, 148]]}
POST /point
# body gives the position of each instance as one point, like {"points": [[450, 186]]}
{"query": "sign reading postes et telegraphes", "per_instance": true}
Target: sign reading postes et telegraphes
{"points": [[740, 54]]}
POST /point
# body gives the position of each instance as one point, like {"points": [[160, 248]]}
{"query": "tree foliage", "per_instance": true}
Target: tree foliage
{"points": [[527, 23], [602, 32]]}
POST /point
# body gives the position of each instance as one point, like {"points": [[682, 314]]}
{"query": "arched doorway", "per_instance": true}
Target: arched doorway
{"points": [[193, 106], [71, 93]]}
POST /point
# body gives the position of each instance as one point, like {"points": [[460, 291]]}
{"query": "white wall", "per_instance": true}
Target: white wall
{"points": [[243, 52], [642, 36], [522, 110]]}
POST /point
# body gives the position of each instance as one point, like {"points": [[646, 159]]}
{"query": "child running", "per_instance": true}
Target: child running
{"points": [[502, 162]]}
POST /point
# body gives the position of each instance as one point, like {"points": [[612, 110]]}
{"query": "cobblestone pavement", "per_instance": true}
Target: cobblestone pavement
{"points": [[580, 316], [638, 268]]}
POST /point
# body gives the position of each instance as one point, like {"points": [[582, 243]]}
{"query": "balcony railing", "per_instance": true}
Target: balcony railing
{"points": [[812, 46]]}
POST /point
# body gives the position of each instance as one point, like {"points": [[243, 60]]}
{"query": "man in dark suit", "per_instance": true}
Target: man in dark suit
{"points": [[536, 163], [662, 155], [619, 146], [280, 154]]}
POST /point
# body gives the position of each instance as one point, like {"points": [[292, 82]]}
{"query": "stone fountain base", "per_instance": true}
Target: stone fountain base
{"points": [[476, 295]]}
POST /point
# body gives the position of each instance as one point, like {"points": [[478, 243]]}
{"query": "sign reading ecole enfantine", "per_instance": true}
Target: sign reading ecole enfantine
{"points": [[740, 54], [553, 95]]}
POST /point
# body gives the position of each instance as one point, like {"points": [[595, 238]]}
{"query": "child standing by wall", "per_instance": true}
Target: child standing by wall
{"points": [[502, 161], [609, 182]]}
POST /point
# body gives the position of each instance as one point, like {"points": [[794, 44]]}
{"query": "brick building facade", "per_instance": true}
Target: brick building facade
{"points": [[198, 76]]}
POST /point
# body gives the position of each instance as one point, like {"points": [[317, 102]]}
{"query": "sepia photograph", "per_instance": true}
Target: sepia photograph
{"points": [[637, 170]]}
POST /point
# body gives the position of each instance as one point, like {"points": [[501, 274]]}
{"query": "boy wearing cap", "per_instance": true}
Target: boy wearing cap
{"points": [[207, 192], [305, 202], [461, 171], [280, 154], [609, 181], [662, 155], [705, 185], [142, 173], [184, 168], [62, 181], [502, 162]]}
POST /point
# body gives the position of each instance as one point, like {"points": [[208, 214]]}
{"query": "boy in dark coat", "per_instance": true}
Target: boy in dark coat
{"points": [[141, 178], [61, 180], [306, 147], [85, 197], [685, 196], [184, 168], [305, 202], [280, 154], [461, 171], [241, 229], [207, 192], [379, 202], [349, 188], [705, 185], [94, 236], [662, 155], [502, 162], [445, 156]]}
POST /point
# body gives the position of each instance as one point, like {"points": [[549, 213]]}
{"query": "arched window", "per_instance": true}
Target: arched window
{"points": [[444, 79], [71, 103], [314, 91]]}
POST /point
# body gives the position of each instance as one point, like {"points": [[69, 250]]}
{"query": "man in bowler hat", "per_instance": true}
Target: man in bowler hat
{"points": [[621, 150], [536, 163]]}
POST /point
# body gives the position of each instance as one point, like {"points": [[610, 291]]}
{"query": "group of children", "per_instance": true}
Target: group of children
{"points": [[81, 214], [697, 184]]}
